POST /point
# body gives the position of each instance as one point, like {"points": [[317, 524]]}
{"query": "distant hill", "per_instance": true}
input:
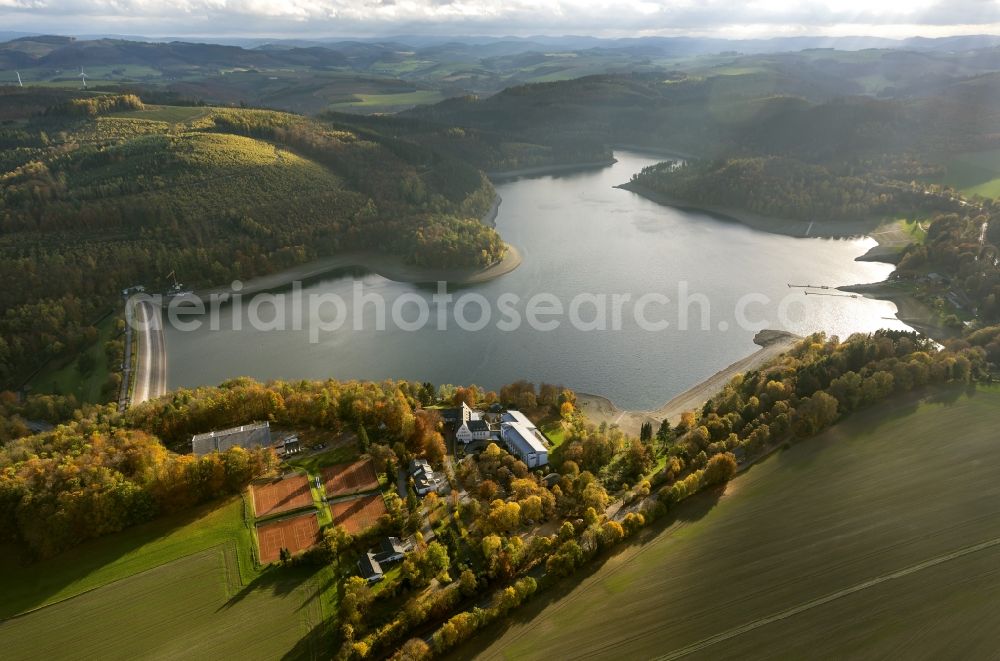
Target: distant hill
{"points": [[398, 73]]}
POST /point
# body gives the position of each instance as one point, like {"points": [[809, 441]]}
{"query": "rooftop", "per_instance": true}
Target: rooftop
{"points": [[253, 435], [517, 417], [524, 437]]}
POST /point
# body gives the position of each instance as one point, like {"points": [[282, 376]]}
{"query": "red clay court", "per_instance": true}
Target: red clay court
{"points": [[281, 496], [345, 479], [358, 514], [295, 534]]}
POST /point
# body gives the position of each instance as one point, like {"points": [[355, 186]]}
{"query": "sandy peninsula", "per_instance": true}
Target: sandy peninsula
{"points": [[600, 409]]}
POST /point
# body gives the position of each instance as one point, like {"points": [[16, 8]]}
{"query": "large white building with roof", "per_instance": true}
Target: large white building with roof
{"points": [[257, 435], [526, 443], [516, 416]]}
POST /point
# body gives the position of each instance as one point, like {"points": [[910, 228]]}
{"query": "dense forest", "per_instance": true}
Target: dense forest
{"points": [[782, 187], [94, 204], [964, 249], [783, 112]]}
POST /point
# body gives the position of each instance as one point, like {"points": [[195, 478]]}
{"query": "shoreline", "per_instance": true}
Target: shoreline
{"points": [[555, 168], [598, 409], [490, 217], [785, 226], [658, 152], [390, 267]]}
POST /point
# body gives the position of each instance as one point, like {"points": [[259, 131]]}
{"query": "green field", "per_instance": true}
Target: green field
{"points": [[179, 586], [124, 554], [372, 102], [975, 173], [193, 607], [866, 541]]}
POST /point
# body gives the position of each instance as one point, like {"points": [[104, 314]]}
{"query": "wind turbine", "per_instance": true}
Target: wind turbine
{"points": [[19, 83], [83, 77]]}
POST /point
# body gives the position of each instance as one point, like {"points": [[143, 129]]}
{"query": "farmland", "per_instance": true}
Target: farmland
{"points": [[119, 556], [179, 586], [851, 542], [192, 606], [975, 173]]}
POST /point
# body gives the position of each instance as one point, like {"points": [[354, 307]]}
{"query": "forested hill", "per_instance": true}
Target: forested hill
{"points": [[781, 111], [94, 200], [786, 188]]}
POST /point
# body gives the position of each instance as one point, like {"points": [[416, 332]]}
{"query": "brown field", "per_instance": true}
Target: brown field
{"points": [[281, 496], [346, 479], [296, 534], [358, 514]]}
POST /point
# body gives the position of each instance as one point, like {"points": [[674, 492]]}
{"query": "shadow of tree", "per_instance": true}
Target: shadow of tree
{"points": [[317, 644], [279, 581], [691, 510]]}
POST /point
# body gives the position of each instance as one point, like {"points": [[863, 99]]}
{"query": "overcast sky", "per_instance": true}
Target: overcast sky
{"points": [[334, 18]]}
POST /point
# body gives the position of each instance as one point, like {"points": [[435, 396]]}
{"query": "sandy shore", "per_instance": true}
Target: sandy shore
{"points": [[600, 409]]}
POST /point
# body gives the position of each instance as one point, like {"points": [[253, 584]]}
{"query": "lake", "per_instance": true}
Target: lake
{"points": [[583, 241]]}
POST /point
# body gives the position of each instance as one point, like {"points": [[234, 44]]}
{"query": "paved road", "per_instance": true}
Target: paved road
{"points": [[151, 356]]}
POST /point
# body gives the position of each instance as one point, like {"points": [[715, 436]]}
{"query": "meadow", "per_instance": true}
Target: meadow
{"points": [[193, 607], [178, 586], [853, 542], [975, 173], [130, 552], [388, 102]]}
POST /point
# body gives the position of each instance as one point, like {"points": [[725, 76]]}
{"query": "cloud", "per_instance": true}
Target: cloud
{"points": [[603, 17]]}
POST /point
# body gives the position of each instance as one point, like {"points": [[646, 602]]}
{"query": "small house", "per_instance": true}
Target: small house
{"points": [[370, 569], [424, 479], [390, 549]]}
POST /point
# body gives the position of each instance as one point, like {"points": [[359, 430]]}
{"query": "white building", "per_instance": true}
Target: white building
{"points": [[518, 417], [476, 429], [525, 443], [257, 435], [424, 479]]}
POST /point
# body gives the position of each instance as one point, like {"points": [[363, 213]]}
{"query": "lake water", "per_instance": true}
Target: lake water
{"points": [[578, 235]]}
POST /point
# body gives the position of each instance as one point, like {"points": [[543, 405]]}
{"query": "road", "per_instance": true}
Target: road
{"points": [[150, 371]]}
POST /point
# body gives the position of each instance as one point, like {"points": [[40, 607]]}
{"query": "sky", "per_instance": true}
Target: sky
{"points": [[604, 18]]}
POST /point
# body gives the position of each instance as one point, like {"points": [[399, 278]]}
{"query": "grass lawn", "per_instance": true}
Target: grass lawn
{"points": [[555, 432], [865, 541], [975, 173], [65, 377], [390, 101], [192, 607], [313, 463], [124, 554]]}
